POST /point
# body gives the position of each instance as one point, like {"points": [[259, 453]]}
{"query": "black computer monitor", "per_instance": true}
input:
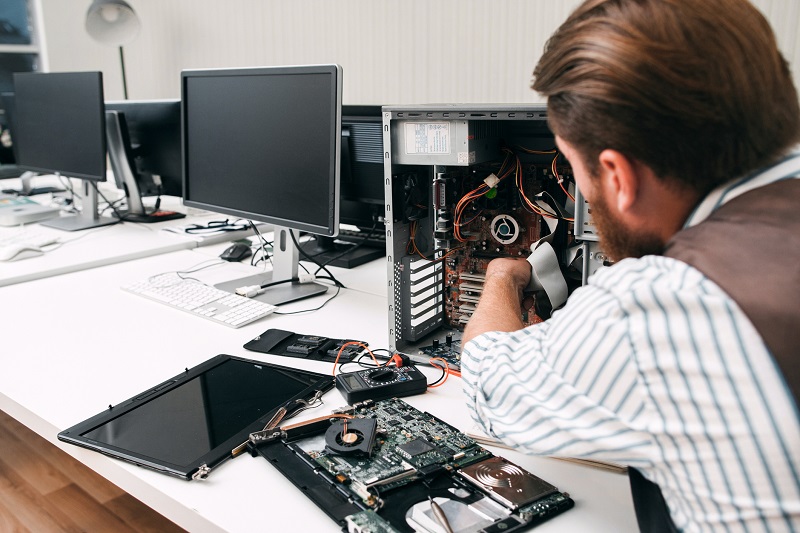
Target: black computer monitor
{"points": [[264, 144], [144, 149], [9, 168], [59, 128], [361, 195], [362, 198]]}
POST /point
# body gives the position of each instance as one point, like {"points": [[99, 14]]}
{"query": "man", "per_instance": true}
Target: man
{"points": [[681, 123]]}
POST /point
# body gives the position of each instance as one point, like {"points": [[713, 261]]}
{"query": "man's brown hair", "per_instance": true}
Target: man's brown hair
{"points": [[695, 89]]}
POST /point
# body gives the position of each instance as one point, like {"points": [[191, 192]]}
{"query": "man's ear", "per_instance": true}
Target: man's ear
{"points": [[620, 180]]}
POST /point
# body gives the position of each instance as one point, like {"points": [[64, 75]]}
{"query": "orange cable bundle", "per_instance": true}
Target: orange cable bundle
{"points": [[351, 343]]}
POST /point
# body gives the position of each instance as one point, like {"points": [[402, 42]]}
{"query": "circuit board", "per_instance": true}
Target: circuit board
{"points": [[479, 213], [449, 351], [472, 228], [409, 444], [386, 467]]}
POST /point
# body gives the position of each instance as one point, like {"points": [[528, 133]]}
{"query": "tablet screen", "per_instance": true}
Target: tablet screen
{"points": [[178, 422]]}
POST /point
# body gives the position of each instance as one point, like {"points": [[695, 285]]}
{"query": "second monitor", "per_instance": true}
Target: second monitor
{"points": [[144, 148], [361, 202], [60, 129], [264, 144]]}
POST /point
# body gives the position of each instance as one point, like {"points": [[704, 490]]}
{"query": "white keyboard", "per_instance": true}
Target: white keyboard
{"points": [[202, 300], [23, 244]]}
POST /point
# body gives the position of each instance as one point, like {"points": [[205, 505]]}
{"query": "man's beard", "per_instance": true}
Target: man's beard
{"points": [[618, 241]]}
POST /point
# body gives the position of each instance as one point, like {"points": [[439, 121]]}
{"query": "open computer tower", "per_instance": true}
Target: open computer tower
{"points": [[465, 184]]}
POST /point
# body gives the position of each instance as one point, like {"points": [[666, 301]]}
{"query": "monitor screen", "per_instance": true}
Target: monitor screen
{"points": [[203, 412], [264, 144], [59, 123], [154, 134], [198, 417]]}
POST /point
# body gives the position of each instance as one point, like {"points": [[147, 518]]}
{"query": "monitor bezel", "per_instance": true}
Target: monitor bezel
{"points": [[335, 71]]}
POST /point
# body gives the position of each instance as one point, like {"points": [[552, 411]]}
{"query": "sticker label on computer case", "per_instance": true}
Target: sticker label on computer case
{"points": [[466, 158], [427, 137]]}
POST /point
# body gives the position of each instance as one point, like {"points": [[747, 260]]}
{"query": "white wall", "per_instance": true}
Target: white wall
{"points": [[392, 51]]}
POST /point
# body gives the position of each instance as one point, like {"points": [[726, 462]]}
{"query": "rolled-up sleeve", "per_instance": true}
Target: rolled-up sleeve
{"points": [[567, 386]]}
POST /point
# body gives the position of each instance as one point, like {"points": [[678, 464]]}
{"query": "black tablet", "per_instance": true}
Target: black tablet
{"points": [[191, 423]]}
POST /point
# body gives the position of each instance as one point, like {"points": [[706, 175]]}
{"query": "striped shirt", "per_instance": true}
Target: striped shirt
{"points": [[652, 365]]}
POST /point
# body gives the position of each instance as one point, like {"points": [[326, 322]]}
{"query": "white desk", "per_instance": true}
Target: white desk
{"points": [[81, 250], [76, 343]]}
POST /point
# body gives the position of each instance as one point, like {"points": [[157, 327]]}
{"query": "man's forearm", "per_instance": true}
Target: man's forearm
{"points": [[498, 308]]}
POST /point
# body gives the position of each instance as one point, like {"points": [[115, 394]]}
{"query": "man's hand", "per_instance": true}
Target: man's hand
{"points": [[518, 271], [499, 306]]}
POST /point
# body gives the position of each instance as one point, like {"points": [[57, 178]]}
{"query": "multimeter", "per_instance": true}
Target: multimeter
{"points": [[381, 383]]}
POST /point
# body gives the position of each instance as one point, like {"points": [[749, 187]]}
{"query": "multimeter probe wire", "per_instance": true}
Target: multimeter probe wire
{"points": [[397, 360]]}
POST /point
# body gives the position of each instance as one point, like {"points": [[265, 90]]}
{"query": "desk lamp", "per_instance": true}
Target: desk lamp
{"points": [[114, 23]]}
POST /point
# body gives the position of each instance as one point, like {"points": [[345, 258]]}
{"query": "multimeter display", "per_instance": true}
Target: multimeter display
{"points": [[381, 383]]}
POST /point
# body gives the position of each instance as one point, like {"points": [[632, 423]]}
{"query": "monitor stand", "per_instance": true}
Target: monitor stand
{"points": [[285, 265], [327, 251], [124, 168], [87, 218]]}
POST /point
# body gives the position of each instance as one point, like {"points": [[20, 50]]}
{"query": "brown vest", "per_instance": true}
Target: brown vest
{"points": [[750, 247]]}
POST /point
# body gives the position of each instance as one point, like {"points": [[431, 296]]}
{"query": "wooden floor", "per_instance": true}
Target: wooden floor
{"points": [[44, 489]]}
